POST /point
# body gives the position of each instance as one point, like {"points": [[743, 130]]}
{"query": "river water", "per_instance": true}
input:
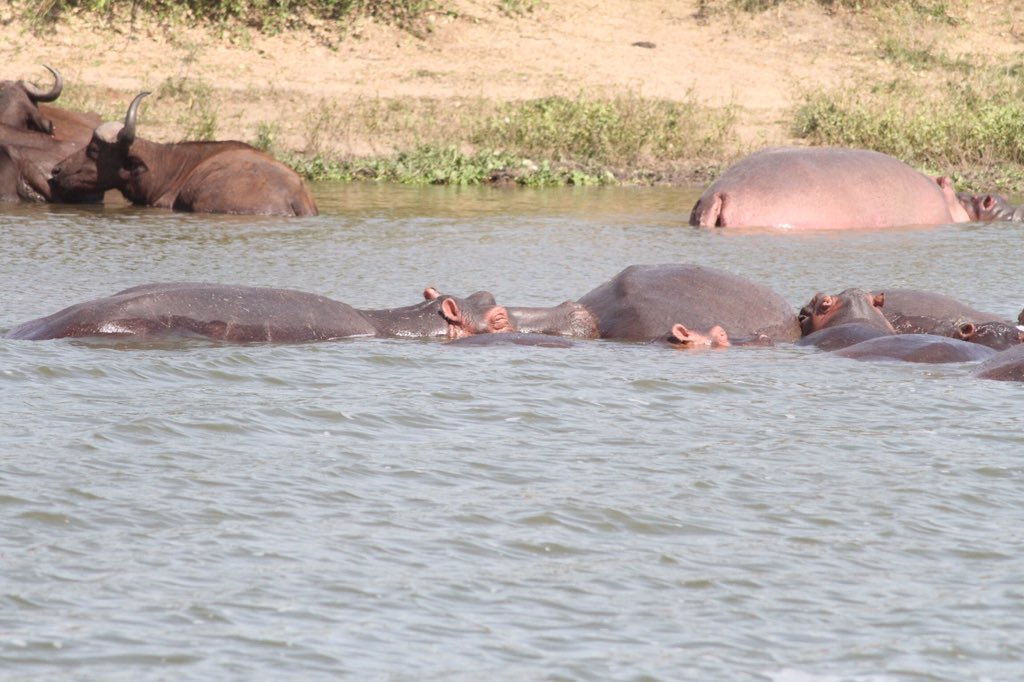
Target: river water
{"points": [[406, 510]]}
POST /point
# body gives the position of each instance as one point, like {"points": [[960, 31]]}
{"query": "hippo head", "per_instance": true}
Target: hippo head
{"points": [[852, 305], [477, 314]]}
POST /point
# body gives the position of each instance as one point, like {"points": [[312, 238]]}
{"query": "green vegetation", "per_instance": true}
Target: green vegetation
{"points": [[198, 119], [942, 112], [263, 15], [947, 124], [554, 140], [935, 9]]}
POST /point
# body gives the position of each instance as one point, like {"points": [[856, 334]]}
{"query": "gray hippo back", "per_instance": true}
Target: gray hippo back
{"points": [[643, 302]]}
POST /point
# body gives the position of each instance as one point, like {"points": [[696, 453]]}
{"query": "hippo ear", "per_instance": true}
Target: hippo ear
{"points": [[679, 334], [824, 302], [966, 330], [450, 311], [878, 300], [430, 293], [988, 202]]}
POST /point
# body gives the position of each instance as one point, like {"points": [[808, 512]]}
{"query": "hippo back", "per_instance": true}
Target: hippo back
{"points": [[823, 188], [236, 314], [917, 311], [926, 348], [643, 302], [1007, 365]]}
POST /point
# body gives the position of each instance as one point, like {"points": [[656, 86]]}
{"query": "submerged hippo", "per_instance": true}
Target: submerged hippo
{"points": [[1007, 365], [916, 348], [912, 311], [990, 208], [836, 321], [566, 319], [643, 301], [514, 339], [242, 314], [825, 188]]}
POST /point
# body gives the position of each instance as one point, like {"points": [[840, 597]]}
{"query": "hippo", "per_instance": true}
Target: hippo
{"points": [[916, 348], [440, 316], [243, 314], [825, 188], [566, 319], [643, 301], [830, 322], [514, 339], [1006, 365], [912, 311], [990, 208]]}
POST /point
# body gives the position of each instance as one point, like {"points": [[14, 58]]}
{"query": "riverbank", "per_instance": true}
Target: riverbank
{"points": [[694, 88]]}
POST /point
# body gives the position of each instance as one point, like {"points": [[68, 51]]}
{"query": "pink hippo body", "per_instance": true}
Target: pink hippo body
{"points": [[825, 188]]}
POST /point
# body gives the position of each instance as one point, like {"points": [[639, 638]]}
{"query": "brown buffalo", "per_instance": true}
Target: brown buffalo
{"points": [[19, 103], [27, 158], [204, 177]]}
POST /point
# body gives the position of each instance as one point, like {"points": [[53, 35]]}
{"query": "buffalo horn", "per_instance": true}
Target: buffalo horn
{"points": [[38, 95], [127, 134]]}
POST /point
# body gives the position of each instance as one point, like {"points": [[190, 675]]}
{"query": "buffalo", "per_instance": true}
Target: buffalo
{"points": [[204, 177], [36, 137], [19, 104], [27, 158]]}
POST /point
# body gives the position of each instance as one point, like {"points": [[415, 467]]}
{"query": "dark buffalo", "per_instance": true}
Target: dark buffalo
{"points": [[27, 158], [21, 179], [73, 126], [204, 177], [644, 302], [241, 314], [19, 104], [836, 321]]}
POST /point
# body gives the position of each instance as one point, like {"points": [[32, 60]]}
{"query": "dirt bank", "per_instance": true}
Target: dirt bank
{"points": [[244, 83]]}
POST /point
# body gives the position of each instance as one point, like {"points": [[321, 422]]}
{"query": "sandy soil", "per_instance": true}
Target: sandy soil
{"points": [[655, 48]]}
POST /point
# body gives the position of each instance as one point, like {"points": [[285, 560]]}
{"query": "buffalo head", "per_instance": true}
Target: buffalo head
{"points": [[18, 101], [105, 163]]}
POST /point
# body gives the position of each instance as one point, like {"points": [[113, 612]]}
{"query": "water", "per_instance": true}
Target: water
{"points": [[403, 510]]}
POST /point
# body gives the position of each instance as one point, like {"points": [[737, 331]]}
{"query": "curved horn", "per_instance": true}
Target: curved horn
{"points": [[37, 95], [127, 134]]}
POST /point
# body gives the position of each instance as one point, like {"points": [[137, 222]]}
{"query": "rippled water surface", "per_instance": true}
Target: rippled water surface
{"points": [[404, 510]]}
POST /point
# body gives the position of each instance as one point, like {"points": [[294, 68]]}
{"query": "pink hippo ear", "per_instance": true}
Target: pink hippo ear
{"points": [[451, 312], [878, 300], [498, 320], [430, 293], [825, 302], [681, 334]]}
